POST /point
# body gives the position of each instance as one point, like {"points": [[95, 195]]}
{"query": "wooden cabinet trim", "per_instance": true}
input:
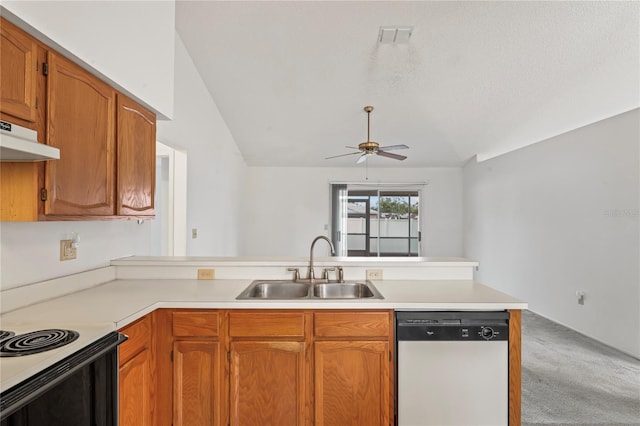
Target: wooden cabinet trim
{"points": [[261, 323], [195, 323], [353, 324], [139, 338], [515, 367]]}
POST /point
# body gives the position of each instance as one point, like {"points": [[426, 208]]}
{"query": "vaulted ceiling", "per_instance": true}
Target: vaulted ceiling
{"points": [[291, 78]]}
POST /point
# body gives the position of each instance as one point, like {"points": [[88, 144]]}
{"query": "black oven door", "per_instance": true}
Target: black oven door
{"points": [[80, 390]]}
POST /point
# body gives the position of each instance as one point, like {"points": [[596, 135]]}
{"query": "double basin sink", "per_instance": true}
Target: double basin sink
{"points": [[292, 290]]}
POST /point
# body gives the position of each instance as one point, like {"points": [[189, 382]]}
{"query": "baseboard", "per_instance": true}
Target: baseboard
{"points": [[634, 356]]}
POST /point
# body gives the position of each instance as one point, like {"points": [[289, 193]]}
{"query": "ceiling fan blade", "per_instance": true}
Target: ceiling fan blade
{"points": [[390, 155], [362, 158], [342, 155], [352, 147], [392, 147]]}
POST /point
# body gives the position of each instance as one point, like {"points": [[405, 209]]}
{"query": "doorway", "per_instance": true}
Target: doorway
{"points": [[169, 229]]}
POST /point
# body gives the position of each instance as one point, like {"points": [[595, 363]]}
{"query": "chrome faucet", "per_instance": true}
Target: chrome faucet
{"points": [[311, 275]]}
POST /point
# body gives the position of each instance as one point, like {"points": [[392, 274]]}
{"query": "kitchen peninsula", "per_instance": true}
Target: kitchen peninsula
{"points": [[165, 310]]}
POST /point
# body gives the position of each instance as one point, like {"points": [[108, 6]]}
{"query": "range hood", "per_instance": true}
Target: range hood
{"points": [[18, 143]]}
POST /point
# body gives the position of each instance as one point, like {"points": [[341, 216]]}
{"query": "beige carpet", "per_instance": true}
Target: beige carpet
{"points": [[569, 379]]}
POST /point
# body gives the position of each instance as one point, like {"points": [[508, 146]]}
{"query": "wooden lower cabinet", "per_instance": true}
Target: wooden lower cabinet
{"points": [[274, 367], [353, 368], [196, 382], [136, 374], [136, 390], [352, 385], [268, 367], [268, 384]]}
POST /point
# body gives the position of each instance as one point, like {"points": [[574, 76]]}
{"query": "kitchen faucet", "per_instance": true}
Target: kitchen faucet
{"points": [[311, 275]]}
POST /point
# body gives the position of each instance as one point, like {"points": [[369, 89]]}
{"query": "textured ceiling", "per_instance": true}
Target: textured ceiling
{"points": [[291, 78]]}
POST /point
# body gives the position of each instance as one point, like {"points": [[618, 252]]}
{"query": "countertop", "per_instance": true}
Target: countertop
{"points": [[115, 304]]}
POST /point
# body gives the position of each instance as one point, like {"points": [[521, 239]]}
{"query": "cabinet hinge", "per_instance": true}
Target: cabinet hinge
{"points": [[43, 194], [228, 356], [389, 355], [171, 356], [45, 68], [36, 103]]}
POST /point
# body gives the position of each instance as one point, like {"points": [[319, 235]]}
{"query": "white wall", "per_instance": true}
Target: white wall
{"points": [[216, 169], [128, 42], [30, 251], [561, 216], [286, 207]]}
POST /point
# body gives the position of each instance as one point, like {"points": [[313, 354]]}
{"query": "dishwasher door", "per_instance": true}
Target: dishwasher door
{"points": [[452, 373]]}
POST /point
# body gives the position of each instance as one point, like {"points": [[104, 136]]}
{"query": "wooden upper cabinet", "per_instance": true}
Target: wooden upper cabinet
{"points": [[81, 124], [136, 151], [18, 69]]}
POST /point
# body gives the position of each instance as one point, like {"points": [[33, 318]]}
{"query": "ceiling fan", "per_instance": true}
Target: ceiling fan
{"points": [[370, 147]]}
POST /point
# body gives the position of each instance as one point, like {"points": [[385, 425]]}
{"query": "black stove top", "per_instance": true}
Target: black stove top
{"points": [[36, 342], [4, 334]]}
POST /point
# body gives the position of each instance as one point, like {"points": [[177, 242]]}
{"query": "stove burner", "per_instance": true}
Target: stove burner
{"points": [[36, 341], [6, 334]]}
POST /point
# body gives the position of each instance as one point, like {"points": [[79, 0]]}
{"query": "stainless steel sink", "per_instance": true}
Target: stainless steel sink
{"points": [[276, 290], [291, 290], [345, 291]]}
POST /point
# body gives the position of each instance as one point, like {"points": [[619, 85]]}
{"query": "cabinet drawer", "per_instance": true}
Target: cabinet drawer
{"points": [[257, 324], [195, 323], [352, 324], [139, 334]]}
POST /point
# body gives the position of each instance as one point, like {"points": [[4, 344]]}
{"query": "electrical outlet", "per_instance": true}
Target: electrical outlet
{"points": [[67, 250], [206, 274], [374, 274], [580, 295], [194, 233]]}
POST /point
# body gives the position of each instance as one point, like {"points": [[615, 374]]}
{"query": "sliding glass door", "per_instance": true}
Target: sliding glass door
{"points": [[376, 222]]}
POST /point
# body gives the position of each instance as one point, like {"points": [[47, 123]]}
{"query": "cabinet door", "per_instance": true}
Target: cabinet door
{"points": [[267, 383], [18, 56], [196, 383], [81, 124], [352, 383], [136, 147], [137, 382], [136, 391]]}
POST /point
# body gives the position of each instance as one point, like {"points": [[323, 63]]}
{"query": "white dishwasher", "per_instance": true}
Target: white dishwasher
{"points": [[452, 368]]}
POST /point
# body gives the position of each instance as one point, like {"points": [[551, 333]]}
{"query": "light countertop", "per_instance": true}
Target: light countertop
{"points": [[115, 304]]}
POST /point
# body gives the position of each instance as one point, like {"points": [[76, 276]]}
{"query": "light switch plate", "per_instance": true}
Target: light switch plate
{"points": [[67, 250], [374, 274], [206, 274]]}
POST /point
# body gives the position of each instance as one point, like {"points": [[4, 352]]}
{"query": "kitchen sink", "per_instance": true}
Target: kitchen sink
{"points": [[277, 290], [343, 291], [292, 290]]}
